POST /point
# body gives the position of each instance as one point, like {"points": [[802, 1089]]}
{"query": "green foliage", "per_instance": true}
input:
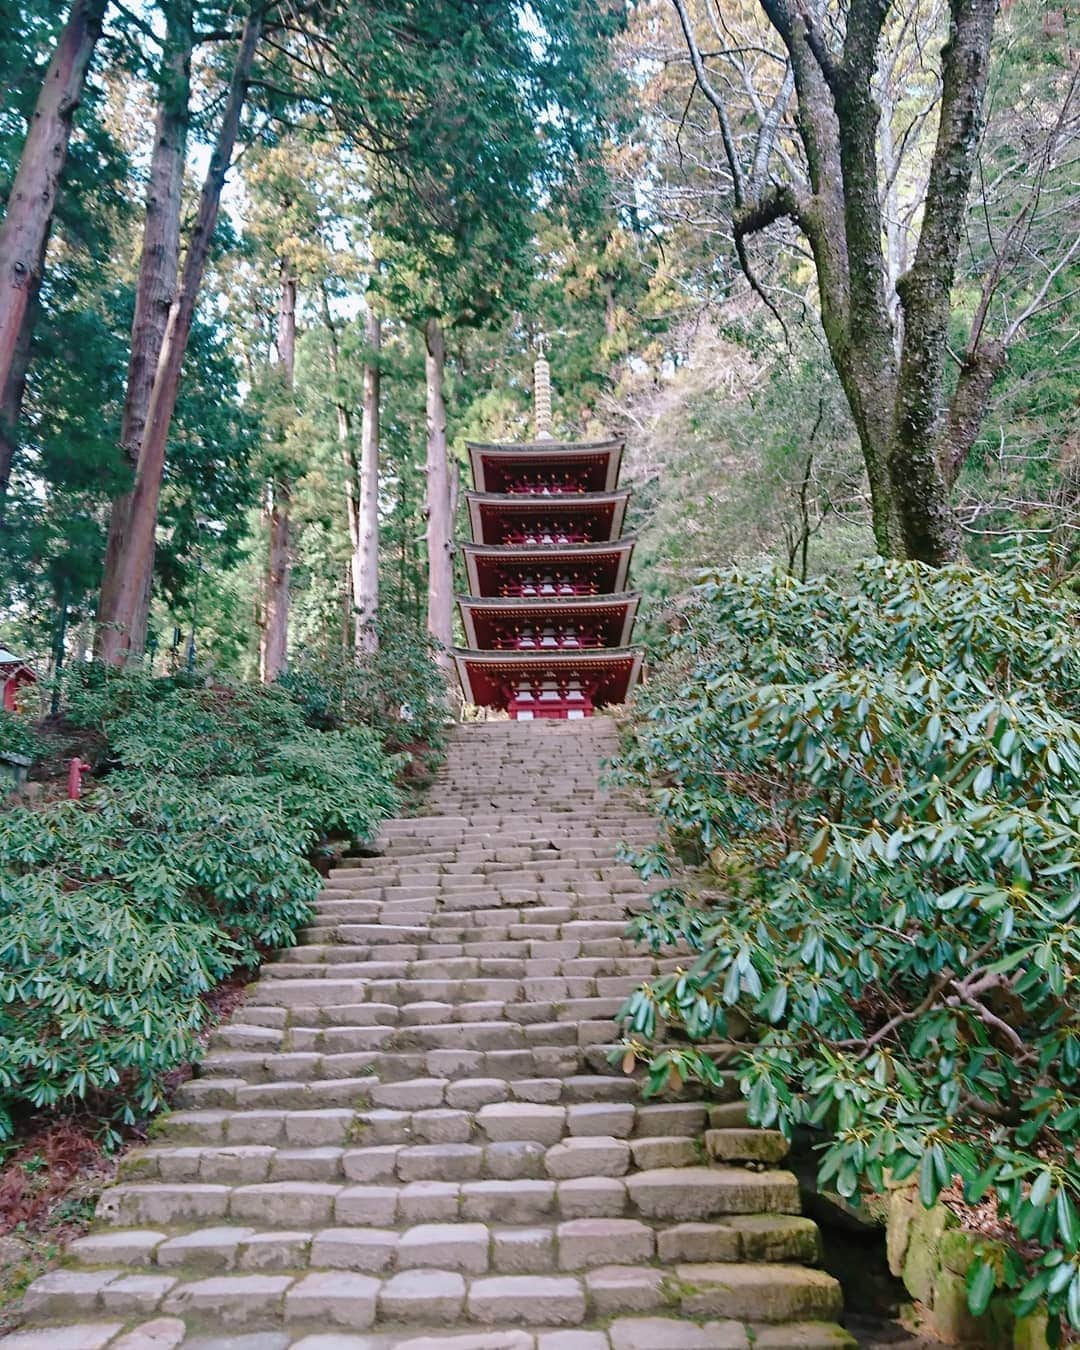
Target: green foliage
{"points": [[873, 807], [18, 737], [119, 912], [398, 689]]}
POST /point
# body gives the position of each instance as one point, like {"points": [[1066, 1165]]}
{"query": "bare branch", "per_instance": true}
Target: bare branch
{"points": [[707, 88]]}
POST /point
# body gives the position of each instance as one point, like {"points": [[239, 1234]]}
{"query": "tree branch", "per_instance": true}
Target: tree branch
{"points": [[706, 86]]}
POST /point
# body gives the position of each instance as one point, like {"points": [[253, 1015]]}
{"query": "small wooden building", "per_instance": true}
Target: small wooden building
{"points": [[15, 675]]}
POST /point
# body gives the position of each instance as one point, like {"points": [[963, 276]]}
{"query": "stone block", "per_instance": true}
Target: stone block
{"points": [[313, 1129], [686, 1193], [584, 1243], [285, 1202], [84, 1336], [519, 1251], [445, 1246], [232, 1299], [60, 1292], [429, 1202], [592, 1156], [708, 1242], [649, 1333], [536, 1300], [163, 1333], [338, 1297], [514, 1158], [746, 1145], [375, 1164], [275, 1251], [613, 1289], [600, 1118], [369, 1205], [522, 1120], [136, 1293], [129, 1247], [507, 1201], [206, 1248], [365, 1249], [422, 1296], [766, 1293], [592, 1198]]}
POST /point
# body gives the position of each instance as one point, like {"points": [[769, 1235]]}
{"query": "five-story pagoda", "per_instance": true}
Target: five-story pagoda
{"points": [[548, 617]]}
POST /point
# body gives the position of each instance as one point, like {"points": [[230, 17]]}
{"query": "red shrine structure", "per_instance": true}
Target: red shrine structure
{"points": [[548, 617]]}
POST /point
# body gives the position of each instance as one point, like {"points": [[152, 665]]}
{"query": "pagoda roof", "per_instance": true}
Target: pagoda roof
{"points": [[618, 609], [491, 462], [485, 676], [607, 510], [612, 557]]}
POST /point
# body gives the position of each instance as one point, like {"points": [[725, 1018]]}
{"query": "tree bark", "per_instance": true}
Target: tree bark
{"points": [[913, 444], [33, 194], [14, 390], [275, 641], [135, 564], [919, 480], [439, 523], [159, 264], [366, 552]]}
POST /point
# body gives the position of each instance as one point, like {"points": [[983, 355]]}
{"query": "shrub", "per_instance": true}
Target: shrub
{"points": [[398, 690], [872, 804], [18, 737], [190, 859]]}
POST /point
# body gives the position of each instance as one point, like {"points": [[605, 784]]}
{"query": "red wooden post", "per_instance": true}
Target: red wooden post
{"points": [[75, 772]]}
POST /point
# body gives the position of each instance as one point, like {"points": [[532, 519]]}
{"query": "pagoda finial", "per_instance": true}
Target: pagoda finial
{"points": [[542, 392]]}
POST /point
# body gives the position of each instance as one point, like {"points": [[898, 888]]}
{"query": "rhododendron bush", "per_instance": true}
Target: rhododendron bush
{"points": [[872, 846]]}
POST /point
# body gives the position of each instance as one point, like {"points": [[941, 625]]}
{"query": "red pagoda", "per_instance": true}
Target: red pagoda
{"points": [[548, 616]]}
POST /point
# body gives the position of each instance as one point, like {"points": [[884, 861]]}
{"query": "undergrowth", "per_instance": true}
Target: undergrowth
{"points": [[187, 860], [872, 802]]}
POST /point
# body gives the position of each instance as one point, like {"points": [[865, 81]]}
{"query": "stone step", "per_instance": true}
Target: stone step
{"points": [[586, 978], [455, 1123], [462, 1032], [403, 968], [305, 1028], [470, 1248], [767, 1292], [669, 1194], [416, 1127], [411, 1093], [555, 1154]]}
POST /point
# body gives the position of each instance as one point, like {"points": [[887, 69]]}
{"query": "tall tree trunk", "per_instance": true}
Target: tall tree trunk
{"points": [[159, 264], [14, 390], [136, 562], [439, 522], [33, 194], [279, 567], [366, 551]]}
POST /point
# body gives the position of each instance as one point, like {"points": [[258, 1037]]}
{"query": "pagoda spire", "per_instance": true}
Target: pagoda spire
{"points": [[542, 394]]}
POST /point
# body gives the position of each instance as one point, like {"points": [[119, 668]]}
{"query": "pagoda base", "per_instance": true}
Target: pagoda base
{"points": [[565, 685], [531, 709]]}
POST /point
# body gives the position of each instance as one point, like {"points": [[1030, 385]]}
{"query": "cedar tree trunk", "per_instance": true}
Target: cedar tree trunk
{"points": [[135, 564], [155, 291], [25, 229], [366, 550], [275, 641], [439, 522]]}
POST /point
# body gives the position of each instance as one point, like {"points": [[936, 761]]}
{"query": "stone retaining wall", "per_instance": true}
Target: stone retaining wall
{"points": [[931, 1253]]}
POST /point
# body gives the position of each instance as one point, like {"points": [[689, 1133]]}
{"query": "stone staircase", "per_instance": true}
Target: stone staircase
{"points": [[410, 1134]]}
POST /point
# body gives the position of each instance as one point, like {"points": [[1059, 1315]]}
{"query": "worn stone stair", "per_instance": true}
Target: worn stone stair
{"points": [[411, 1133]]}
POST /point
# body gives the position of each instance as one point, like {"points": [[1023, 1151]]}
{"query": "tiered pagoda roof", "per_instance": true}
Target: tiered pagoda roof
{"points": [[548, 618]]}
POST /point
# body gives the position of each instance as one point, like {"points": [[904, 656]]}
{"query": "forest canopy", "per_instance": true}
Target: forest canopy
{"points": [[266, 267]]}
